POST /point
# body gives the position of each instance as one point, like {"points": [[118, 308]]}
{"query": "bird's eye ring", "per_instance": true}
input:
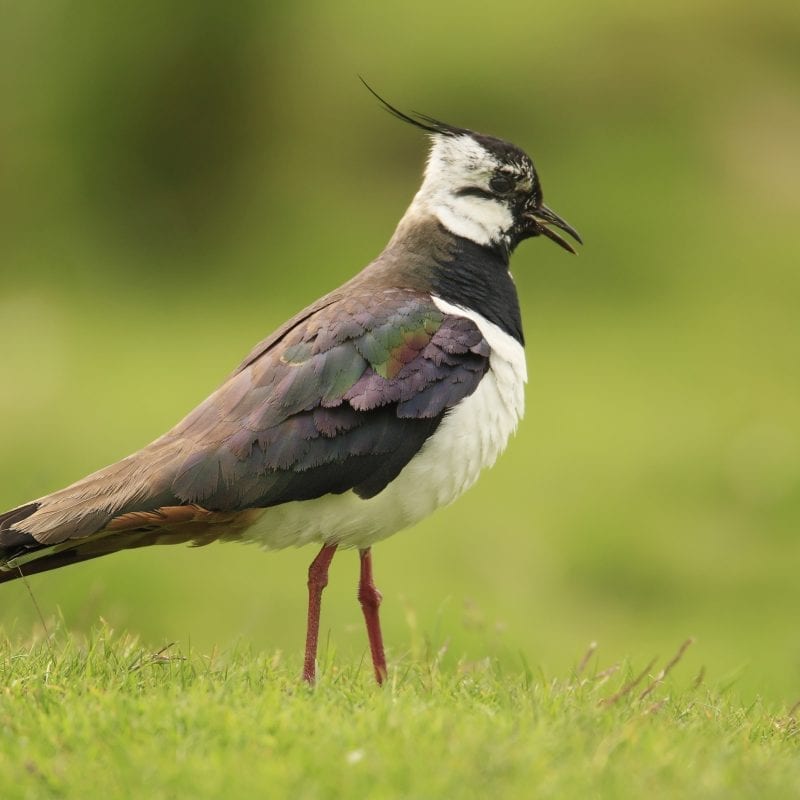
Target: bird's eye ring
{"points": [[501, 184]]}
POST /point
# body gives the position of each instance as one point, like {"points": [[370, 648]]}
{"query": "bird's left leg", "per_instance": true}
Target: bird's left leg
{"points": [[370, 599], [317, 581]]}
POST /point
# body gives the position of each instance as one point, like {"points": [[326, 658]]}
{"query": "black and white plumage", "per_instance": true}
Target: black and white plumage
{"points": [[361, 415]]}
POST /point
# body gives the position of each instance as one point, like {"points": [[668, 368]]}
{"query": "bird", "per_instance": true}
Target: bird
{"points": [[361, 415]]}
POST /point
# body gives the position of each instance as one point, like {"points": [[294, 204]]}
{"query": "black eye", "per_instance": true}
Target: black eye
{"points": [[502, 184]]}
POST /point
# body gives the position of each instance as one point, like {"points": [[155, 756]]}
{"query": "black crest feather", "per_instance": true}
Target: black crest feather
{"points": [[422, 121]]}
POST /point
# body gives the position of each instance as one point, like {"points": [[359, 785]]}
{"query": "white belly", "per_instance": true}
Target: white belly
{"points": [[469, 438]]}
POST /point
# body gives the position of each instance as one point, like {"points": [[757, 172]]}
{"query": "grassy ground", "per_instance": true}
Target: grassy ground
{"points": [[104, 717]]}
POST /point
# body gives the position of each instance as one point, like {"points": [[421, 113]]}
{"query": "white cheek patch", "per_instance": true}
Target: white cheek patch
{"points": [[456, 163], [476, 218]]}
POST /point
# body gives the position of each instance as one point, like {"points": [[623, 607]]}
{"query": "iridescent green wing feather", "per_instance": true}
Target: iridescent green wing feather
{"points": [[349, 394]]}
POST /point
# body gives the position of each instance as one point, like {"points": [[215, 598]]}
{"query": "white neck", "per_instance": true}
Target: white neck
{"points": [[457, 163]]}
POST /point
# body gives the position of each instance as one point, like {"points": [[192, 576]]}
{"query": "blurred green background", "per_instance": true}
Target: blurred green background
{"points": [[177, 179]]}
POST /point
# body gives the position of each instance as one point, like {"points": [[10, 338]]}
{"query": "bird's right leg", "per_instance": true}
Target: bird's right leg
{"points": [[317, 581], [370, 599]]}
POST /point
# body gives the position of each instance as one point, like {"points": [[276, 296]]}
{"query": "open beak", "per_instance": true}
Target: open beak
{"points": [[543, 216]]}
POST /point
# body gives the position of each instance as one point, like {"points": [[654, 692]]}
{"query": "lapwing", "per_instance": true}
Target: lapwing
{"points": [[371, 408]]}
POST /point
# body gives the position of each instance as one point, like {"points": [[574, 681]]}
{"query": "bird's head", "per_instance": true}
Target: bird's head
{"points": [[482, 188]]}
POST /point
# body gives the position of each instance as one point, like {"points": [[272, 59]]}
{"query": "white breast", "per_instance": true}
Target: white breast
{"points": [[469, 438]]}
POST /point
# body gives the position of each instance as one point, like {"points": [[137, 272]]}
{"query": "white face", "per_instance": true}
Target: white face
{"points": [[456, 163]]}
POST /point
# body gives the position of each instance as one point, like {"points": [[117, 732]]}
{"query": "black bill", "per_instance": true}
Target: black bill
{"points": [[543, 216]]}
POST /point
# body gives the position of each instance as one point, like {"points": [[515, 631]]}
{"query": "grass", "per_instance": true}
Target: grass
{"points": [[102, 716]]}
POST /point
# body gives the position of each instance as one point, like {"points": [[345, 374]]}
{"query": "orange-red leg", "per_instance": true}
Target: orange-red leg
{"points": [[370, 599], [317, 581]]}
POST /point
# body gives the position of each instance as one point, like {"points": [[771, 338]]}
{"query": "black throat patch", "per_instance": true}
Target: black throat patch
{"points": [[477, 277]]}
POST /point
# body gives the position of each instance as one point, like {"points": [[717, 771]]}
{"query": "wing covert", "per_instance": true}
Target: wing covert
{"points": [[343, 401]]}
